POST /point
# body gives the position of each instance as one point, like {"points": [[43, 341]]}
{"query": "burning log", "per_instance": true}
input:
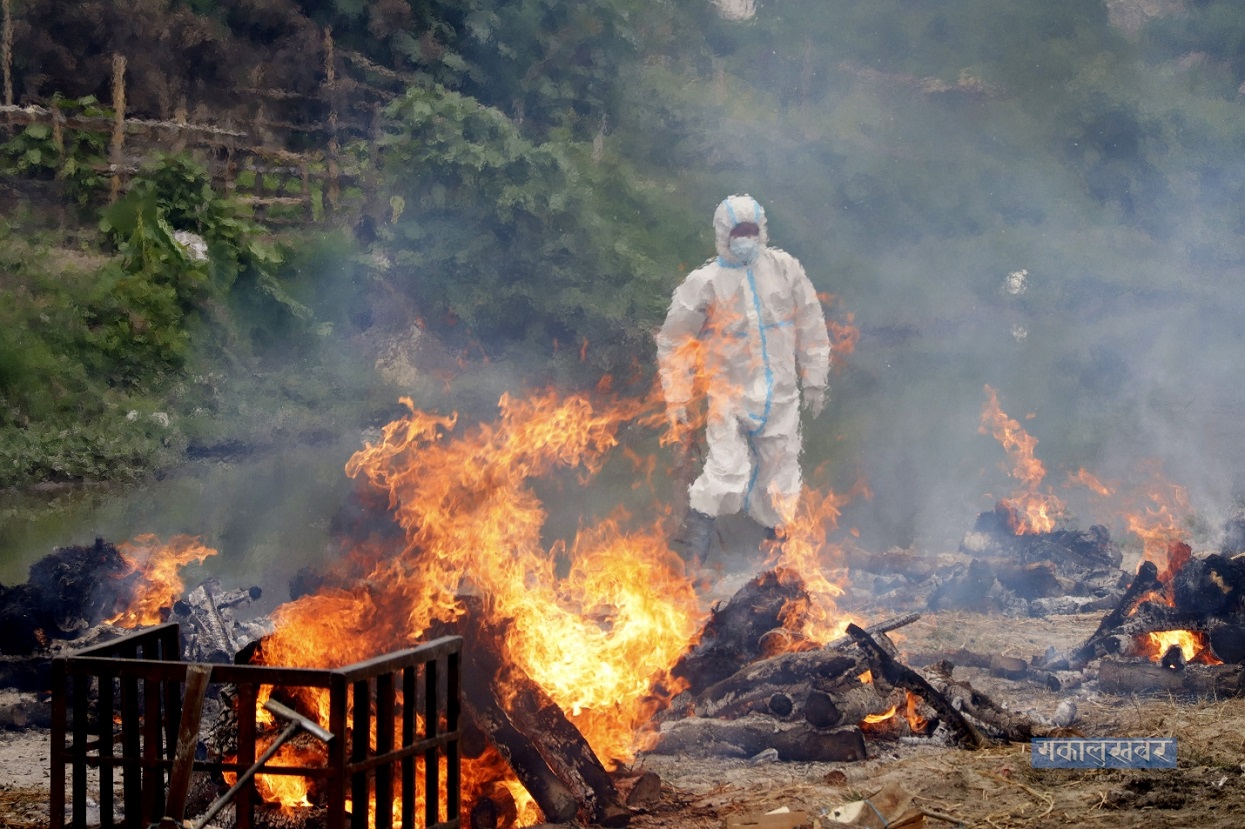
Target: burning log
{"points": [[1144, 582], [544, 748], [732, 637], [995, 535], [886, 667], [749, 736], [212, 633], [785, 674]]}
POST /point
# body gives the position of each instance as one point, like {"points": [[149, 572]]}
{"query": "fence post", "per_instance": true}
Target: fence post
{"points": [[179, 137], [6, 59], [118, 124], [332, 195]]}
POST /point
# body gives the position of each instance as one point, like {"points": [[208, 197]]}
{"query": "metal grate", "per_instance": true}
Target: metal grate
{"points": [[117, 708]]}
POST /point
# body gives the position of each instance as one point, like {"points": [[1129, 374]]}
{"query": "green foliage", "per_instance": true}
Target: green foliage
{"points": [[33, 151], [516, 240]]}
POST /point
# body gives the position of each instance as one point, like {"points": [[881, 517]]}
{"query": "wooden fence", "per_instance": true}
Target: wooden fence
{"points": [[248, 159]]}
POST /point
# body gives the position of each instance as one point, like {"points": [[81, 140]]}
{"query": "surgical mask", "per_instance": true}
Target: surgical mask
{"points": [[745, 248]]}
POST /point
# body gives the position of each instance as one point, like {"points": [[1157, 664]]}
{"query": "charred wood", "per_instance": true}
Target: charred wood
{"points": [[794, 742], [1228, 643], [639, 790], [533, 729], [732, 636], [988, 716], [995, 535], [69, 590], [1122, 678], [1210, 586], [1144, 582], [761, 680], [555, 799], [847, 706], [899, 675]]}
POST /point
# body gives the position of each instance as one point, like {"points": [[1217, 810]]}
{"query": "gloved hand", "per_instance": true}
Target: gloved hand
{"points": [[815, 399]]}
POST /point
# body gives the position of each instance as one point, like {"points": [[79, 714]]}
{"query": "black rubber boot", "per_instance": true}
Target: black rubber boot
{"points": [[773, 540], [694, 536]]}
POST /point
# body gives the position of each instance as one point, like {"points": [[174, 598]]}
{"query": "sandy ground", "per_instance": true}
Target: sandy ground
{"points": [[995, 787]]}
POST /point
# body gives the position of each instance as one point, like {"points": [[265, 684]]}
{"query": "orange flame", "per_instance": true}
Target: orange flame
{"points": [[288, 791], [916, 722], [1032, 511], [597, 632], [159, 582], [1194, 646], [805, 551], [873, 719], [1159, 524]]}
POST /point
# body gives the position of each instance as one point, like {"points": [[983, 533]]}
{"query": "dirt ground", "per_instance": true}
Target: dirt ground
{"points": [[994, 787]]}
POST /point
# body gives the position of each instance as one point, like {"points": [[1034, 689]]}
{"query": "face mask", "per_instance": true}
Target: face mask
{"points": [[745, 248]]}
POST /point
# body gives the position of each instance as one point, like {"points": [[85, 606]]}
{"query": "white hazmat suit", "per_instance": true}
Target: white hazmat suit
{"points": [[757, 329]]}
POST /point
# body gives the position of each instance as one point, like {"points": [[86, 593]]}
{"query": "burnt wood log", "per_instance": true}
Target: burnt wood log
{"points": [[899, 675], [732, 636], [552, 796], [794, 742], [532, 719], [846, 706], [994, 535], [1210, 586], [988, 716], [71, 589], [640, 790], [1144, 582], [1123, 678], [1228, 643], [790, 672]]}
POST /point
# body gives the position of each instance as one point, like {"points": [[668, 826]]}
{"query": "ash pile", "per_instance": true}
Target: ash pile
{"points": [[997, 570], [73, 598]]}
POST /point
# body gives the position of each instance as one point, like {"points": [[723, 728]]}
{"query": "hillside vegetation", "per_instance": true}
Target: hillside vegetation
{"points": [[544, 172]]}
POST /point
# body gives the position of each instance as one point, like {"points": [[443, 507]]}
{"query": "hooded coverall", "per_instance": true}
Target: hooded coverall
{"points": [[758, 330]]}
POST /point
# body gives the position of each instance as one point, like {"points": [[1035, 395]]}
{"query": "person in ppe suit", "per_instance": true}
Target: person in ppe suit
{"points": [[751, 320]]}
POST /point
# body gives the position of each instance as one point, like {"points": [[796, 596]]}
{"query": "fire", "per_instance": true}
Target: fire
{"points": [[1032, 511], [1194, 646], [1159, 525], [874, 719], [595, 623], [1086, 479], [916, 722], [805, 552], [159, 584], [287, 791]]}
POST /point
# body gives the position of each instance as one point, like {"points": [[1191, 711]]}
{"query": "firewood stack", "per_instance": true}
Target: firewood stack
{"points": [[756, 689], [1204, 597]]}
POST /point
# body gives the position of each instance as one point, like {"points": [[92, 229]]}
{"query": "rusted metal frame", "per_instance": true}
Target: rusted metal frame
{"points": [[432, 755], [373, 761], [361, 700], [122, 662], [384, 748], [131, 747], [244, 801], [398, 660], [453, 715], [338, 687], [60, 710], [106, 745], [409, 718], [153, 748]]}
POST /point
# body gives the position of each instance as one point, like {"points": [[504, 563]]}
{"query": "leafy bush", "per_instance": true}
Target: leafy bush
{"points": [[33, 151]]}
